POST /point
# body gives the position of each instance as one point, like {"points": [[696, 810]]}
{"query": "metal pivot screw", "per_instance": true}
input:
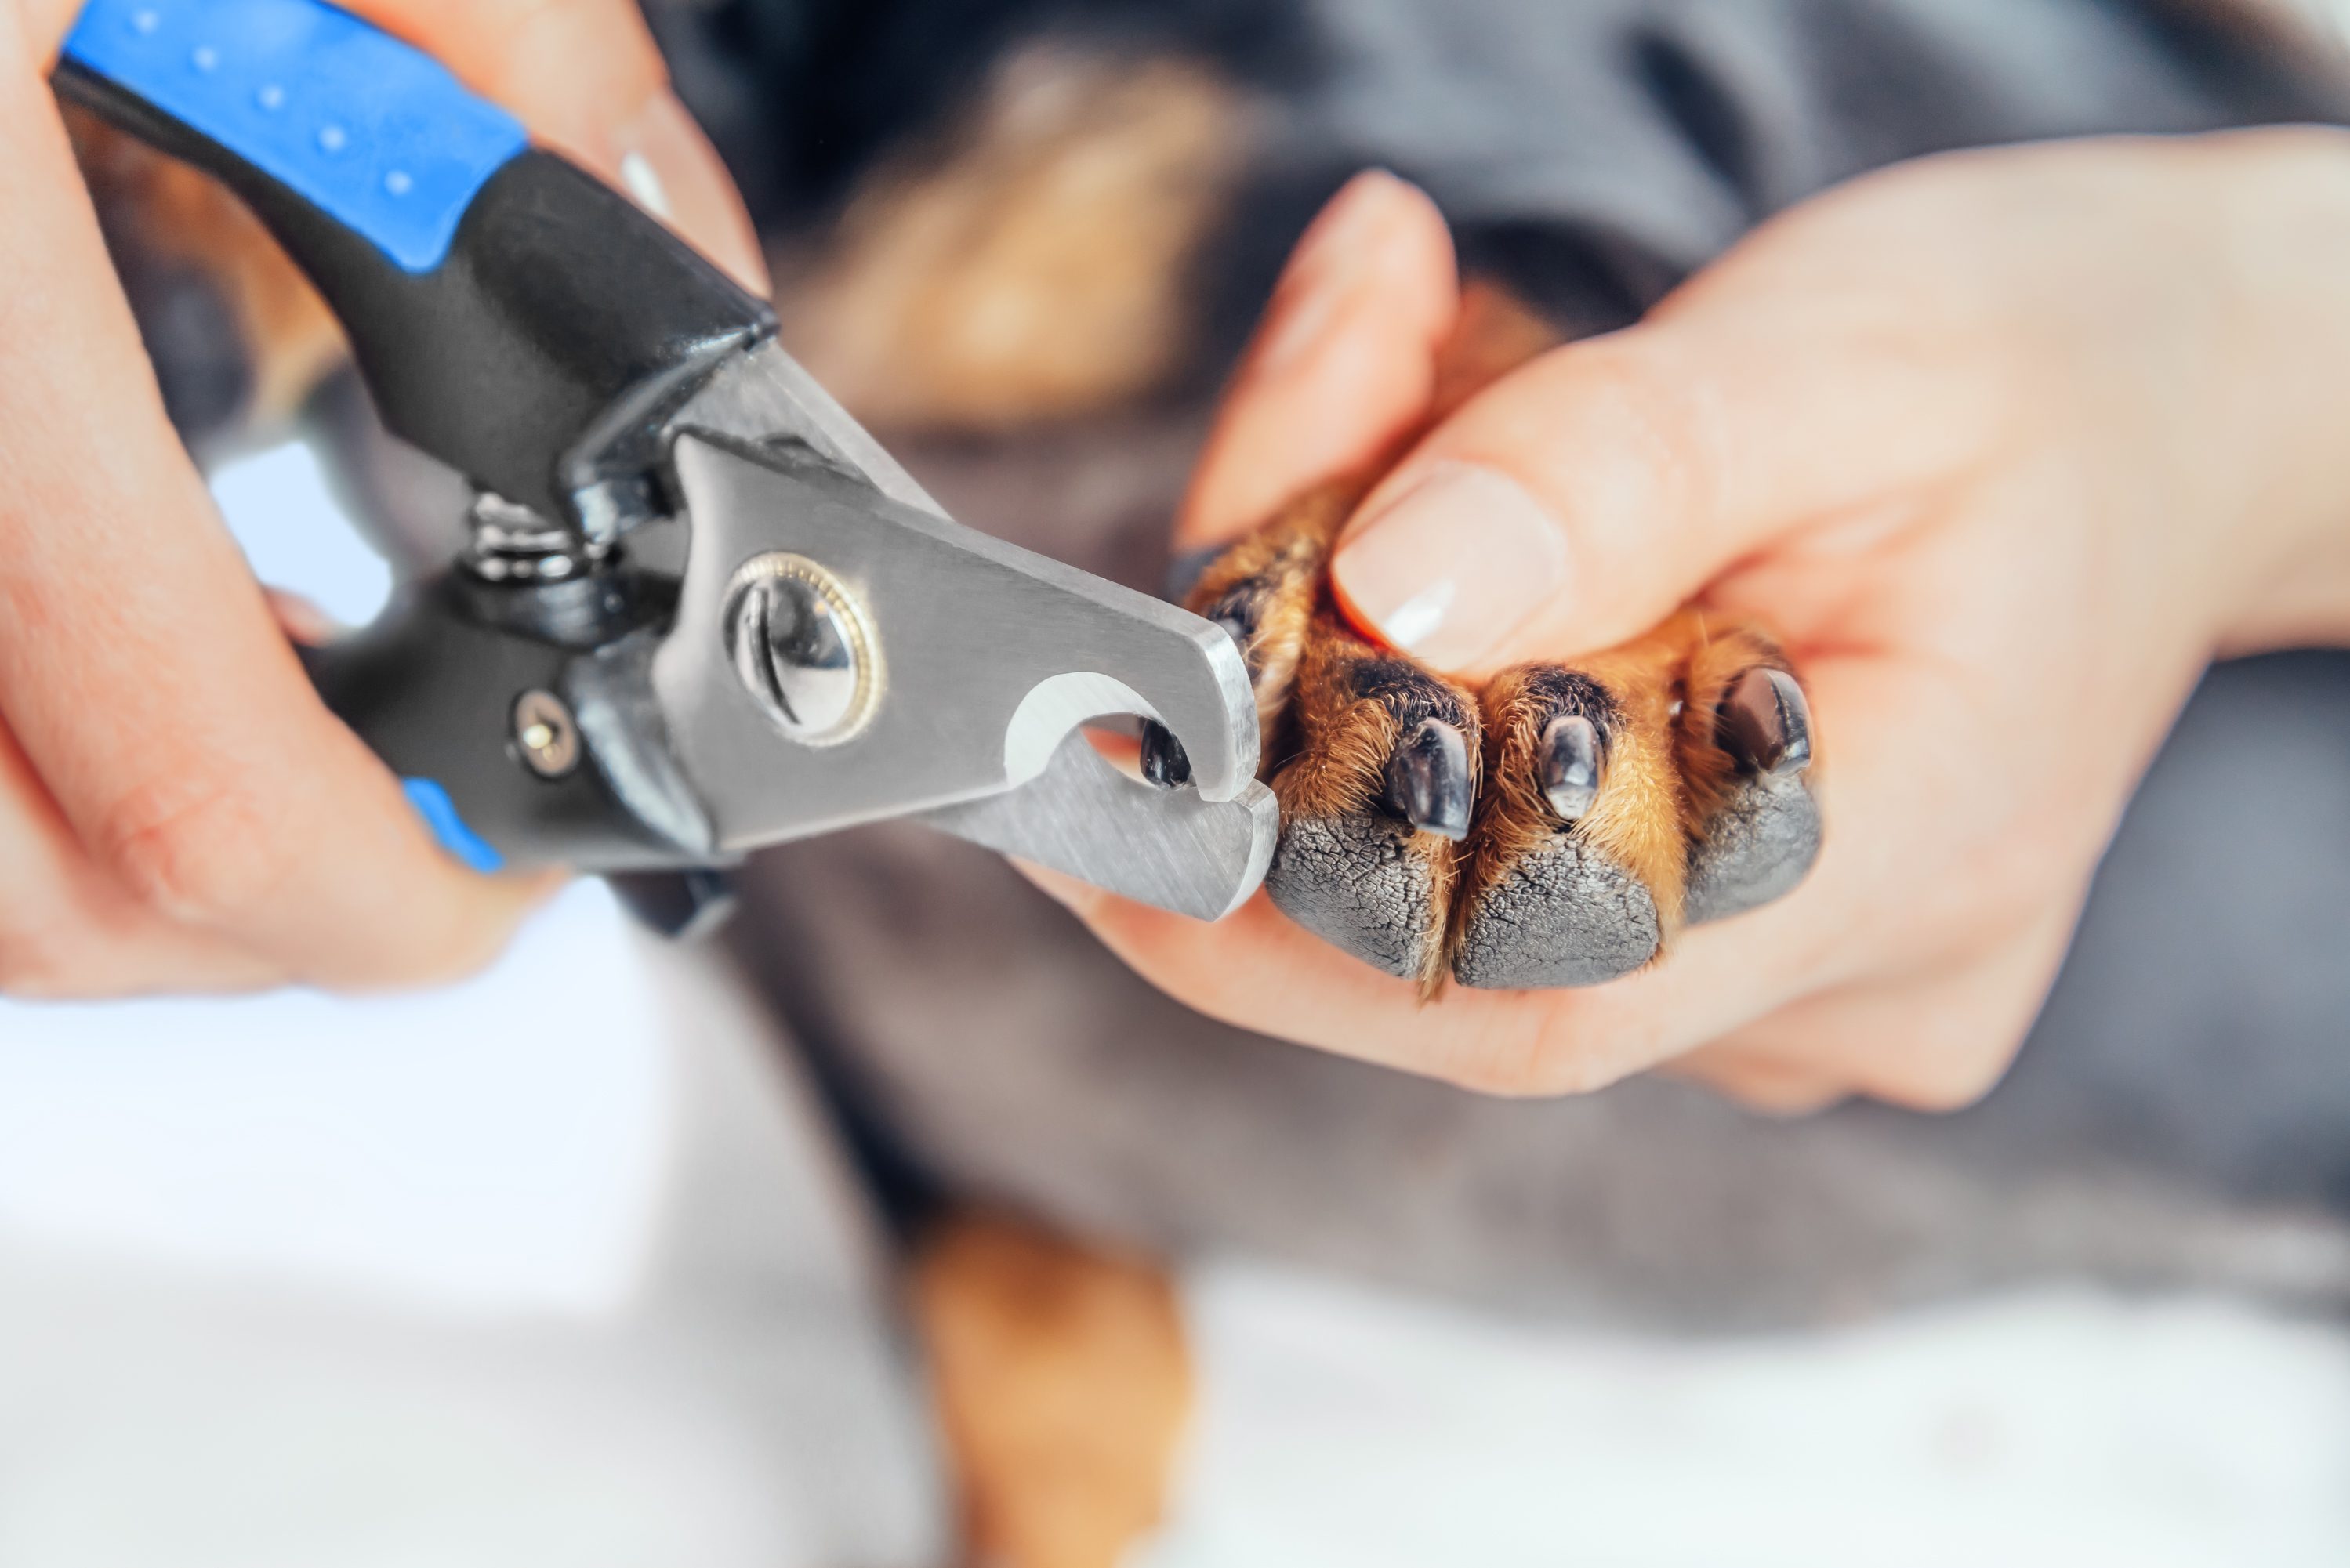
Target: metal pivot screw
{"points": [[801, 649], [546, 734]]}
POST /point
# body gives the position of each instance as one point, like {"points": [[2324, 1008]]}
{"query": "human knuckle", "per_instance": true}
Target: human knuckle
{"points": [[1627, 381], [1653, 424], [202, 854]]}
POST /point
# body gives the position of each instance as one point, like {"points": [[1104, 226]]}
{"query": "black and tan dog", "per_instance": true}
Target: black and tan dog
{"points": [[1024, 239]]}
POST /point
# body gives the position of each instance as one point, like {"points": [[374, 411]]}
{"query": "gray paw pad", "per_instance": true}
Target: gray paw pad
{"points": [[1355, 882], [1759, 847], [1565, 916]]}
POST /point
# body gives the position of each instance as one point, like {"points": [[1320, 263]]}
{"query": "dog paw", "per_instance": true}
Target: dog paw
{"points": [[1552, 827]]}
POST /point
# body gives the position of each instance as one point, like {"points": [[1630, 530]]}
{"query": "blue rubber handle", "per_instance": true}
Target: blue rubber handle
{"points": [[469, 848], [372, 132], [512, 316]]}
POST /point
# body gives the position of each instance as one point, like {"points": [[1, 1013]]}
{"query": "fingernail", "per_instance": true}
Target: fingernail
{"points": [[1765, 724], [655, 145], [1450, 569], [1322, 272], [1428, 780], [669, 168], [644, 182], [1569, 767]]}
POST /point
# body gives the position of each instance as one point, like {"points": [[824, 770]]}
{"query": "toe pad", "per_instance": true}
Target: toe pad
{"points": [[1756, 850], [1565, 915], [1357, 882]]}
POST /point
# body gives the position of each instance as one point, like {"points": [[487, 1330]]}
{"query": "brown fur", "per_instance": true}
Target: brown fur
{"points": [[1035, 269], [1062, 1386], [1280, 566]]}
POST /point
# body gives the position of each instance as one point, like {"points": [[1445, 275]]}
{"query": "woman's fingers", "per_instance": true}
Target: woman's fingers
{"points": [[68, 930], [584, 76], [1342, 365], [1582, 498], [182, 811], [1933, 1043], [142, 672], [1573, 505]]}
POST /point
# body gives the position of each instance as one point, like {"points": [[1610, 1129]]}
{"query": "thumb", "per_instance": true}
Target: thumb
{"points": [[1342, 366], [1585, 497]]}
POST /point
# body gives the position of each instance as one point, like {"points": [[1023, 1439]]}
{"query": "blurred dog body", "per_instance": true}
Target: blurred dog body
{"points": [[1095, 199], [1035, 280]]}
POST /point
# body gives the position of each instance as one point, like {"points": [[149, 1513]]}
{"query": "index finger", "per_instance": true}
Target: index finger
{"points": [[1341, 368]]}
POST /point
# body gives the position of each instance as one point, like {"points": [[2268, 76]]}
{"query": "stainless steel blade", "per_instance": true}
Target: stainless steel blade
{"points": [[986, 657], [766, 393], [1169, 848]]}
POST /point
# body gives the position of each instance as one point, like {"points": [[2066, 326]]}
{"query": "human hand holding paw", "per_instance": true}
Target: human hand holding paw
{"points": [[1553, 824], [1961, 472]]}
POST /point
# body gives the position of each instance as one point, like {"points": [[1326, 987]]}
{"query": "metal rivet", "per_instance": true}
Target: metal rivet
{"points": [[400, 183], [334, 139], [800, 648], [546, 734]]}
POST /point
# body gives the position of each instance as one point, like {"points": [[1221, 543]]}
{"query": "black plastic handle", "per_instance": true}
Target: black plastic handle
{"points": [[513, 316]]}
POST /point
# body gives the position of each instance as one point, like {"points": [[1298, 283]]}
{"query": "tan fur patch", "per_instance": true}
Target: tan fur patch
{"points": [[1639, 814], [1035, 268], [1637, 820], [1064, 1388]]}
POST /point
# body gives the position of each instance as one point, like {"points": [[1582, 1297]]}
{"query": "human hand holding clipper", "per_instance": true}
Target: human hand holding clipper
{"points": [[701, 610]]}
